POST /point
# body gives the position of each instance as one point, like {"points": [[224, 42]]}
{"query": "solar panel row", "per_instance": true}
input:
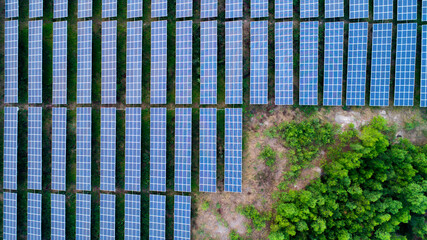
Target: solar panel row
{"points": [[35, 61], [59, 61], [383, 9], [259, 63], [233, 9], [283, 9], [334, 8], [10, 148], [34, 212], [108, 149], [83, 212], [157, 217], [209, 8], [158, 149], [184, 63], [184, 8], [406, 10], [159, 8], [11, 61], [9, 215], [84, 9], [259, 8], [11, 8], [158, 62], [359, 9], [207, 152], [208, 62], [233, 150], [34, 148], [423, 82], [183, 149], [60, 8], [109, 8], [283, 63], [132, 216], [233, 62], [108, 62], [134, 62], [57, 214], [84, 62], [134, 8], [133, 149], [36, 8], [182, 217], [108, 216], [308, 63], [84, 148], [59, 147], [309, 8], [424, 11]]}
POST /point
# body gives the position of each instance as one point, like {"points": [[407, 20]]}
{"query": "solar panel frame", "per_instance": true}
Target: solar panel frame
{"points": [[107, 216], [259, 8], [11, 8], [284, 63], [83, 214], [283, 9], [183, 149], [11, 61], [309, 9], [109, 62], [35, 8], [108, 149], [334, 8], [9, 215], [208, 8], [208, 62], [34, 209], [59, 61], [34, 153], [134, 8], [134, 63], [208, 149], [359, 9], [158, 79], [84, 9], [59, 148], [159, 8], [10, 148], [184, 62], [406, 10], [182, 217], [424, 11], [133, 150], [57, 216], [423, 81], [132, 216], [184, 8], [109, 8], [233, 9], [60, 9], [158, 149], [157, 217], [233, 150], [234, 62], [383, 9], [84, 148], [84, 62], [259, 63], [35, 61]]}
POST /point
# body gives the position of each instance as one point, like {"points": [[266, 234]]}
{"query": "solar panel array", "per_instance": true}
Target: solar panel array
{"points": [[383, 9], [158, 149], [234, 62], [10, 148], [233, 150], [84, 62], [406, 51], [36, 8], [259, 63], [134, 8], [333, 75], [34, 148], [159, 8], [34, 212], [207, 165], [59, 61], [209, 8], [359, 9], [157, 217], [356, 65], [208, 62], [108, 216], [11, 61], [182, 218], [109, 8], [84, 9], [35, 60], [83, 209], [84, 148], [108, 149], [183, 149], [423, 82], [9, 215], [334, 8], [381, 58], [406, 10], [133, 149], [309, 8], [424, 11], [259, 8], [283, 9], [184, 8], [158, 62], [284, 63], [60, 8], [109, 62], [233, 9], [132, 216], [57, 215], [134, 62], [59, 147], [11, 8], [184, 62], [308, 63]]}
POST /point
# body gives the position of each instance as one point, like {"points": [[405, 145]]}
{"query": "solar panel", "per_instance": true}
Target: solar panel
{"points": [[34, 148], [84, 62], [182, 218], [109, 59], [59, 147], [405, 64], [10, 147], [108, 149], [11, 61], [34, 212], [184, 62], [158, 149], [35, 61], [84, 9], [259, 63], [158, 62], [59, 61], [9, 215], [208, 62], [209, 8], [334, 8], [406, 10], [133, 149], [157, 217], [36, 8], [333, 64], [207, 174], [381, 58], [84, 148], [308, 63], [134, 8], [259, 8], [356, 65], [60, 8], [359, 9], [134, 62], [11, 8], [284, 63], [383, 9], [423, 82], [424, 10], [184, 8], [57, 215], [309, 8], [109, 8], [83, 216], [234, 62], [233, 150], [183, 149], [108, 216], [283, 9], [159, 8], [132, 216], [233, 9]]}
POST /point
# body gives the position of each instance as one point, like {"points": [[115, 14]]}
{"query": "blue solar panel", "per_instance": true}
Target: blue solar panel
{"points": [[10, 147], [424, 10], [209, 8], [11, 61], [107, 216], [184, 63], [308, 63], [259, 8], [233, 62], [334, 8], [381, 58], [36, 8], [334, 41], [405, 64], [34, 213], [158, 62], [9, 215], [84, 62], [134, 8], [109, 8], [158, 149], [406, 10], [423, 84], [59, 61], [59, 147], [283, 9], [84, 148], [134, 62], [157, 220], [109, 62], [108, 149], [207, 165], [34, 148], [359, 9], [208, 62], [11, 8], [133, 149], [259, 63], [182, 218], [233, 150], [84, 9], [83, 221], [356, 67], [233, 9], [183, 149], [309, 8], [383, 9], [60, 8], [284, 63], [132, 216], [184, 8], [57, 214], [35, 60], [159, 8]]}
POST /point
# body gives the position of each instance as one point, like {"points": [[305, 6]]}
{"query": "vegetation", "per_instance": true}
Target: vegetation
{"points": [[259, 220], [268, 155]]}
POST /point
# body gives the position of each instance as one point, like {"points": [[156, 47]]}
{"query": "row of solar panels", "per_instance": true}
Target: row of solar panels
{"points": [[183, 149], [132, 221]]}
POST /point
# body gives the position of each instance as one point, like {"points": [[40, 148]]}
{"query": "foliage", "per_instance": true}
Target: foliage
{"points": [[268, 155], [205, 206], [259, 220], [234, 235]]}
